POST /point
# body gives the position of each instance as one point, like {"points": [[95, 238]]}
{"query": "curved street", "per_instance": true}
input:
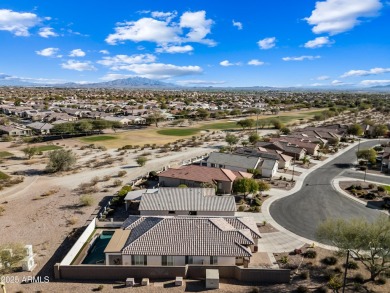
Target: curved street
{"points": [[316, 201]]}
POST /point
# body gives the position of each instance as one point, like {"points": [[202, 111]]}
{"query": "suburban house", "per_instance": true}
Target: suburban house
{"points": [[287, 148], [239, 162], [40, 127], [179, 241], [284, 160], [15, 130], [186, 201], [309, 146], [201, 176], [135, 196]]}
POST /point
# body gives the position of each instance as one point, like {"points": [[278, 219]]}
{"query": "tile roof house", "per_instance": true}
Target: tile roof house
{"points": [[186, 201], [289, 149], [178, 241], [284, 160], [240, 162], [15, 130], [309, 146], [201, 176]]}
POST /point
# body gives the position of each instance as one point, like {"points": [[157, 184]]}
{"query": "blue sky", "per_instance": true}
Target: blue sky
{"points": [[197, 42]]}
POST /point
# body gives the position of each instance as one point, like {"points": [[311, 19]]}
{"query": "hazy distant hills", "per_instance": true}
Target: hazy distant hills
{"points": [[132, 82], [146, 83]]}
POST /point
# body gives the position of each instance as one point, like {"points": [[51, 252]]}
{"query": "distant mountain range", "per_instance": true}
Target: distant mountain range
{"points": [[131, 82], [146, 83]]}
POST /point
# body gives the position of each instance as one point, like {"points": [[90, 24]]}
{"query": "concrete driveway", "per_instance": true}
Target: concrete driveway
{"points": [[302, 211]]}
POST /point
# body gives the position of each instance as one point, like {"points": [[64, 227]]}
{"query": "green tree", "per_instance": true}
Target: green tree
{"points": [[369, 242], [30, 152], [203, 113], [60, 160], [253, 138], [231, 140], [263, 186], [368, 154], [246, 123], [379, 130], [355, 129], [154, 117], [277, 123], [100, 124], [285, 130], [245, 186], [84, 126], [141, 161], [63, 128]]}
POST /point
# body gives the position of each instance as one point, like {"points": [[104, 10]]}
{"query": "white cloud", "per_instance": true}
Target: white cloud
{"points": [[77, 53], [46, 32], [17, 23], [337, 16], [144, 29], [162, 30], [373, 71], [78, 65], [199, 82], [371, 82], [323, 77], [48, 52], [174, 49], [338, 82], [255, 62], [161, 70], [237, 24], [199, 27], [117, 61], [316, 84], [227, 63], [318, 43], [114, 76], [300, 58], [104, 52], [267, 43]]}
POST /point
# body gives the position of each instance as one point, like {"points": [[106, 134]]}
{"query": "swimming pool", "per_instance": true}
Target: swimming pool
{"points": [[96, 252]]}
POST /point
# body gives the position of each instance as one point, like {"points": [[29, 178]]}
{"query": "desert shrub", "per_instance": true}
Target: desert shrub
{"points": [[284, 259], [352, 265], [60, 160], [95, 180], [310, 254], [337, 270], [329, 260], [352, 187], [241, 208], [257, 202], [304, 275], [371, 186], [2, 210], [335, 283], [124, 190], [117, 182], [381, 188], [182, 186], [87, 200], [100, 288], [370, 195], [359, 187], [106, 177], [257, 209], [73, 221], [141, 161], [358, 278], [122, 173]]}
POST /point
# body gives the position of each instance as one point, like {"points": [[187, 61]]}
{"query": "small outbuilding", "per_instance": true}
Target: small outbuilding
{"points": [[212, 279]]}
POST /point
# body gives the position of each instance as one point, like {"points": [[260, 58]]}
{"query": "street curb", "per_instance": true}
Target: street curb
{"points": [[298, 185], [336, 186]]}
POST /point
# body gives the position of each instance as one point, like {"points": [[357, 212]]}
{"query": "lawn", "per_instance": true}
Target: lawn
{"points": [[44, 148], [5, 154], [98, 138], [387, 188], [165, 135], [178, 131], [3, 176]]}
